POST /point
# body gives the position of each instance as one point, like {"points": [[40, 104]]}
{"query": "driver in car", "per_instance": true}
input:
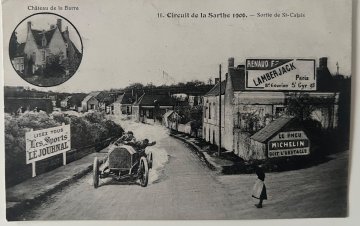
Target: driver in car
{"points": [[129, 139]]}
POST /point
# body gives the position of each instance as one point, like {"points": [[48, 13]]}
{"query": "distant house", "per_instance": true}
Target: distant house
{"points": [[53, 100], [123, 104], [97, 101], [89, 103], [171, 119], [105, 99], [65, 102], [195, 100], [41, 46], [74, 103], [150, 108]]}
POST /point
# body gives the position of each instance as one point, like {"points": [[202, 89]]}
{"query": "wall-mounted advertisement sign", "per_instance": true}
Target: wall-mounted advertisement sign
{"points": [[42, 144], [289, 144], [281, 74]]}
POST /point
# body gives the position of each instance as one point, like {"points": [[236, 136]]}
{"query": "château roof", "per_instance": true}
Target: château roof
{"points": [[38, 35]]}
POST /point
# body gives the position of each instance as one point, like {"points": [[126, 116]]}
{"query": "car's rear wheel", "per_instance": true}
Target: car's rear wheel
{"points": [[150, 160], [143, 172], [96, 172]]}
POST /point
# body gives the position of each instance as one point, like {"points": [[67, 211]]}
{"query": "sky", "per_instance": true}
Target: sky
{"points": [[125, 41]]}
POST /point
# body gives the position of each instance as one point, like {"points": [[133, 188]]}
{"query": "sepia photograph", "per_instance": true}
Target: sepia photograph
{"points": [[181, 110], [45, 49]]}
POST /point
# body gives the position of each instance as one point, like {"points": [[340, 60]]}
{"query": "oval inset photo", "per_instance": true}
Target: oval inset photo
{"points": [[45, 49]]}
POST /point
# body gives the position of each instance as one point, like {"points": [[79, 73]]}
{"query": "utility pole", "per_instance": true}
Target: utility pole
{"points": [[219, 146]]}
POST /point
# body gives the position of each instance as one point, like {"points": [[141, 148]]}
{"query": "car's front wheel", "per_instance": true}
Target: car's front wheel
{"points": [[96, 172], [143, 172]]}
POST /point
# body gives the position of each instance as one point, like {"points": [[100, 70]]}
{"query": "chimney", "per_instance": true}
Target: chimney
{"points": [[58, 24], [231, 62], [216, 80], [28, 26], [323, 62]]}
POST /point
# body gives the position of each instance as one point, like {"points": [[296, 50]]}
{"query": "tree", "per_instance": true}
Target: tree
{"points": [[299, 105], [13, 45], [54, 66], [135, 86]]}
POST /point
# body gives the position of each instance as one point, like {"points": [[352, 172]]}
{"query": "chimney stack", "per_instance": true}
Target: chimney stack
{"points": [[231, 62], [323, 62], [58, 24], [28, 26]]}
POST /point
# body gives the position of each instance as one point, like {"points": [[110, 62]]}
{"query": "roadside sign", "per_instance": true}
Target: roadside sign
{"points": [[280, 74], [42, 144], [289, 144]]}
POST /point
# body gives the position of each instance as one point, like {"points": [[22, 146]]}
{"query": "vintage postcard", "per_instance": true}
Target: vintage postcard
{"points": [[176, 110]]}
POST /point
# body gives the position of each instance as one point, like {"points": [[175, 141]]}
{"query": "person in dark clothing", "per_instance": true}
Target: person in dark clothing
{"points": [[259, 190], [141, 145]]}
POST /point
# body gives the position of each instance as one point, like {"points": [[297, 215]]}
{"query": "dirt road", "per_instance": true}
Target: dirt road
{"points": [[181, 187]]}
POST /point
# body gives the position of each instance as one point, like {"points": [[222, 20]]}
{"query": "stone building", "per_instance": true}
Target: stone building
{"points": [[246, 112], [150, 108], [123, 104], [42, 46], [90, 102]]}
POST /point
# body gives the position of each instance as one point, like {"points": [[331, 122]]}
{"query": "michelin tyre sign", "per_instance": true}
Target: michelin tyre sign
{"points": [[280, 74]]}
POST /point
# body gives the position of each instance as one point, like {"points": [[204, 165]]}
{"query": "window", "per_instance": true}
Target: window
{"points": [[214, 142], [279, 111], [238, 120], [92, 106], [215, 111], [210, 111], [43, 55]]}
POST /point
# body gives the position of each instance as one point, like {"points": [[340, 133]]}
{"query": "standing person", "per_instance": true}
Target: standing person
{"points": [[259, 190]]}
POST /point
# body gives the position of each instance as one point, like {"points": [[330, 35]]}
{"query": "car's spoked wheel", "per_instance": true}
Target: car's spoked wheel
{"points": [[150, 160], [96, 172], [143, 172]]}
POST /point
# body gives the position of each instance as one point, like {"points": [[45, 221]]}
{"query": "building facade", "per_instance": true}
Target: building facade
{"points": [[42, 46], [89, 103], [123, 104], [150, 108]]}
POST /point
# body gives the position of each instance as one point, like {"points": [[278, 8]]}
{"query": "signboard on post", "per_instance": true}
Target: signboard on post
{"points": [[42, 144], [290, 143], [281, 74]]}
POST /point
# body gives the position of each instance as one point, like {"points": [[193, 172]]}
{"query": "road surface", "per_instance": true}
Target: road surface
{"points": [[182, 187]]}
